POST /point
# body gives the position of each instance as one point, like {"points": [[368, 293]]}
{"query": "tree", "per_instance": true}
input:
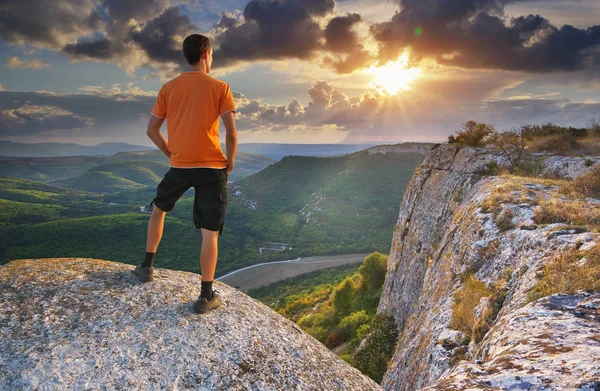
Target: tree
{"points": [[342, 298], [373, 270], [473, 134], [512, 144], [378, 348]]}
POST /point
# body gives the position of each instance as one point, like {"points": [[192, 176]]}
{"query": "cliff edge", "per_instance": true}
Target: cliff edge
{"points": [[468, 254], [78, 324]]}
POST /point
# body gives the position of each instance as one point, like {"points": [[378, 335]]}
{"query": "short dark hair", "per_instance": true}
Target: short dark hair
{"points": [[193, 47]]}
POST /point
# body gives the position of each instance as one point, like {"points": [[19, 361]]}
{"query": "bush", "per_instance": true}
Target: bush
{"points": [[334, 338], [373, 270], [342, 298], [473, 134], [378, 348], [349, 325]]}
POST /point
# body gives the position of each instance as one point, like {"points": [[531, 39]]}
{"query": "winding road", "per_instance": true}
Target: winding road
{"points": [[267, 273]]}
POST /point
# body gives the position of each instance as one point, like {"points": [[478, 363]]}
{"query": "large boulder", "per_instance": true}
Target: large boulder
{"points": [[79, 324]]}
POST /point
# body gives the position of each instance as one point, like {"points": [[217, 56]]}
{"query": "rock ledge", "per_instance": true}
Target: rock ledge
{"points": [[75, 323]]}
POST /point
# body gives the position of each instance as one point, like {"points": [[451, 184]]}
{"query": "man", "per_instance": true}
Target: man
{"points": [[192, 104]]}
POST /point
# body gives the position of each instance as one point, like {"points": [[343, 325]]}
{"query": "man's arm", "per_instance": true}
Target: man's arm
{"points": [[156, 136], [230, 139]]}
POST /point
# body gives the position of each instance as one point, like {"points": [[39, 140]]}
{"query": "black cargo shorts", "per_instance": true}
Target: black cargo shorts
{"points": [[210, 200]]}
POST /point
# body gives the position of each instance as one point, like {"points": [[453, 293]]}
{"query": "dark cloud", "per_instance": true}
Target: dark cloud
{"points": [[273, 29], [227, 20], [101, 48], [30, 120], [47, 24], [348, 53], [339, 34], [38, 113], [474, 34], [160, 37]]}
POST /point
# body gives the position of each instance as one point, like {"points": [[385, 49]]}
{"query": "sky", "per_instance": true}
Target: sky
{"points": [[302, 71]]}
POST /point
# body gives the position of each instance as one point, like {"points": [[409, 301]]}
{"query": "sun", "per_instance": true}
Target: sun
{"points": [[394, 76]]}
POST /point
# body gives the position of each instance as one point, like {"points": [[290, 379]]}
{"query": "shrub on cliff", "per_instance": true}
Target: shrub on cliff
{"points": [[342, 298], [473, 134], [373, 270], [373, 358]]}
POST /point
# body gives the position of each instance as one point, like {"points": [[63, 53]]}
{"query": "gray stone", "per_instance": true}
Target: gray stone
{"points": [[75, 324], [442, 233]]}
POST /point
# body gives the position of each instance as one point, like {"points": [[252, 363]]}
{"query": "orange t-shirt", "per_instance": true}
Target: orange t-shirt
{"points": [[192, 103]]}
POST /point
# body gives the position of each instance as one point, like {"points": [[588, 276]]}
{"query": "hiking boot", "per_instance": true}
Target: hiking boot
{"points": [[145, 274], [202, 305]]}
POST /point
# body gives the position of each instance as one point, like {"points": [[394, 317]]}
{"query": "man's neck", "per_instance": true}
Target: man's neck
{"points": [[201, 67]]}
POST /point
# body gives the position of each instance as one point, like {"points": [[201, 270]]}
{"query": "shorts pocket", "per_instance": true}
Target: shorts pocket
{"points": [[223, 199]]}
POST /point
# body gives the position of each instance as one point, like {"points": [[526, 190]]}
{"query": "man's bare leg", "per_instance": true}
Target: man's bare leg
{"points": [[208, 254], [155, 229], [208, 263]]}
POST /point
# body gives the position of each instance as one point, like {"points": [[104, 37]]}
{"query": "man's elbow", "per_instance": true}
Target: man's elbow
{"points": [[231, 136]]}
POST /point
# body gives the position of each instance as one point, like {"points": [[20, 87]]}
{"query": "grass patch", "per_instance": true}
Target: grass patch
{"points": [[465, 301], [569, 272], [571, 212], [585, 186]]}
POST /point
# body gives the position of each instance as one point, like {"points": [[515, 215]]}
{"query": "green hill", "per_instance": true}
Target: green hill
{"points": [[145, 173], [319, 206], [119, 237], [47, 169], [98, 182]]}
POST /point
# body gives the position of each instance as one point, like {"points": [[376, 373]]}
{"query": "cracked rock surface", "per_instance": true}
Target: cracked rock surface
{"points": [[447, 229], [78, 324]]}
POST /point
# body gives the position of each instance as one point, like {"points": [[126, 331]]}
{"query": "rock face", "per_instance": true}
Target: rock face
{"points": [[444, 231], [555, 335], [89, 324], [421, 148]]}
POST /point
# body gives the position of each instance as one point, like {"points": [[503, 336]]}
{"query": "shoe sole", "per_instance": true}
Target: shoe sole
{"points": [[142, 279], [205, 310]]}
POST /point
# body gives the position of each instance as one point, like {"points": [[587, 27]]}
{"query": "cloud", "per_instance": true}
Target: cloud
{"points": [[31, 119], [36, 22], [348, 52], [16, 62], [273, 29], [228, 20], [474, 34], [161, 38], [80, 114], [100, 48], [430, 112], [118, 91]]}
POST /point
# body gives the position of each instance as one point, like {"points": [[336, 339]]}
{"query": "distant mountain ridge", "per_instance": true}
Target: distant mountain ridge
{"points": [[271, 150], [16, 149], [47, 169]]}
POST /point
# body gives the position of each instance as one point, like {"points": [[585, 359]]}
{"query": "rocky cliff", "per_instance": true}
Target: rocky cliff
{"points": [[75, 324], [464, 235], [421, 148]]}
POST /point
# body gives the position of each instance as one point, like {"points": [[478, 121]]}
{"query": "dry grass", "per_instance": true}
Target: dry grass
{"points": [[465, 301], [509, 192], [560, 144], [586, 186], [570, 212], [568, 272]]}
